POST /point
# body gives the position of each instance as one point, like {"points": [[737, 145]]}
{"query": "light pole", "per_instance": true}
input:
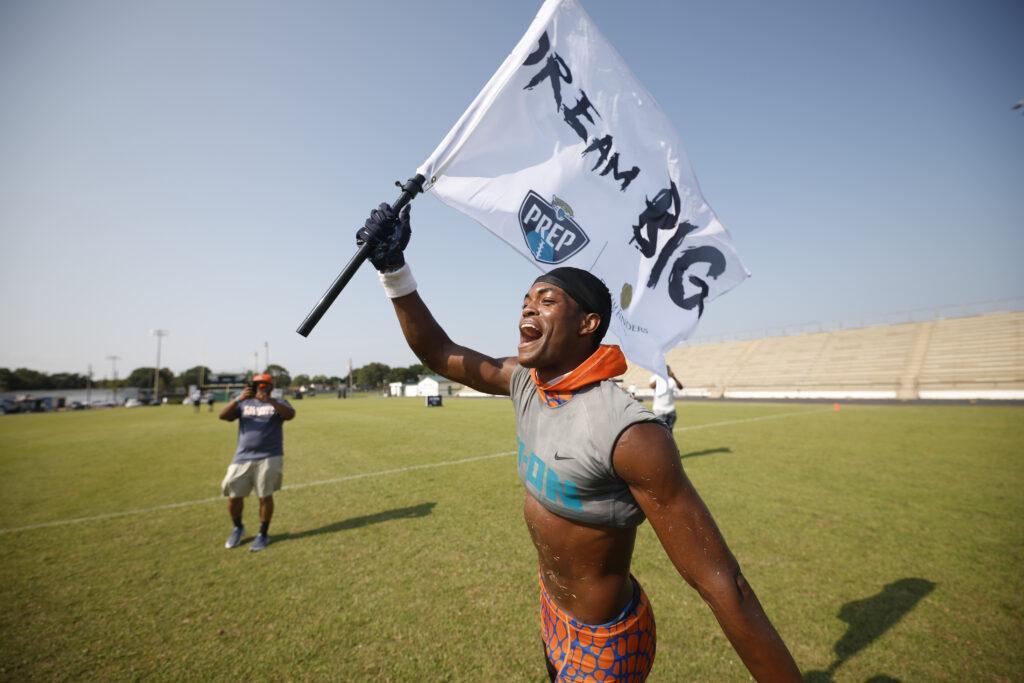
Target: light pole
{"points": [[159, 334], [113, 363], [266, 354]]}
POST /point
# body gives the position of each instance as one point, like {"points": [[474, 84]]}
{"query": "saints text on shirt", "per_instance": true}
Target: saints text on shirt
{"points": [[257, 411]]}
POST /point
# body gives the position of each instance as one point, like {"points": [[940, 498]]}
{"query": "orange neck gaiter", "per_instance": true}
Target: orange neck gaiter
{"points": [[603, 364]]}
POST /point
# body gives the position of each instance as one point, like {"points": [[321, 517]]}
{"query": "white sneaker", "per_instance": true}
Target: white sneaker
{"points": [[235, 539]]}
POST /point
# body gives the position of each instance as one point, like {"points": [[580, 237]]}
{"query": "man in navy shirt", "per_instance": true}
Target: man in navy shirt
{"points": [[258, 456]]}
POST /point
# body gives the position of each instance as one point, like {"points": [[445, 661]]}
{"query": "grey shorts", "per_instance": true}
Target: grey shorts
{"points": [[265, 475]]}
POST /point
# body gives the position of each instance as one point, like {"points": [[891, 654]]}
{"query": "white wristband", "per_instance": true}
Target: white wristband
{"points": [[398, 282]]}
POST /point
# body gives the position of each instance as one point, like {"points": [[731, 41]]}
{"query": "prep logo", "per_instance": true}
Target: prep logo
{"points": [[550, 232]]}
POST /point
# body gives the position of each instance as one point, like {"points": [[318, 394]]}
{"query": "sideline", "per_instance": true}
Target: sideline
{"points": [[364, 475]]}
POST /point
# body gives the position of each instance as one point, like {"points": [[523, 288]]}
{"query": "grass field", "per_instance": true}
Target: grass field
{"points": [[886, 542]]}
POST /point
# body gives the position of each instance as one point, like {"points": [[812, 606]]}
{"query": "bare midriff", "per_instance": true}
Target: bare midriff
{"points": [[584, 567]]}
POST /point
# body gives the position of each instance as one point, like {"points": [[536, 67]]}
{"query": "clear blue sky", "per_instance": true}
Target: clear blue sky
{"points": [[201, 167]]}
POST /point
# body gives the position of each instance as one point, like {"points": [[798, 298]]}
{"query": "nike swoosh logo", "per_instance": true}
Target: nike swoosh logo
{"points": [[564, 457]]}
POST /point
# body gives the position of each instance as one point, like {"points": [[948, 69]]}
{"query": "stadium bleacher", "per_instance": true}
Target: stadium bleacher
{"points": [[973, 357]]}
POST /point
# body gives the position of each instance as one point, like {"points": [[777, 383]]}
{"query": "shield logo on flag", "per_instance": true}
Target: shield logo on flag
{"points": [[551, 233]]}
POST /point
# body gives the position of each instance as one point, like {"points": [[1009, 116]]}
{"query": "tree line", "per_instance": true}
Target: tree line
{"points": [[368, 377], [25, 379]]}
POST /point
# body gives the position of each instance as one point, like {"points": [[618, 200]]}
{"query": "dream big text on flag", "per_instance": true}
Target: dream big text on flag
{"points": [[566, 157]]}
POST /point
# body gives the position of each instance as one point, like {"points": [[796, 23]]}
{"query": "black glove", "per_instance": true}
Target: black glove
{"points": [[388, 235]]}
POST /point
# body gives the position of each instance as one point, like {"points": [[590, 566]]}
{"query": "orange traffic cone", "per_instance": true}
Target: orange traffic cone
{"points": [[835, 406]]}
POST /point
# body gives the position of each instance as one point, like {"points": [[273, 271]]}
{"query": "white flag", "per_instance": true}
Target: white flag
{"points": [[568, 158]]}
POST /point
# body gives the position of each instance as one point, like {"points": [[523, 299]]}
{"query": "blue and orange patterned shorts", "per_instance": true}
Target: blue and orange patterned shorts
{"points": [[621, 651]]}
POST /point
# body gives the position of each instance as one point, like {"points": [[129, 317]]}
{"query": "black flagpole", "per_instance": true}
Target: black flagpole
{"points": [[412, 187]]}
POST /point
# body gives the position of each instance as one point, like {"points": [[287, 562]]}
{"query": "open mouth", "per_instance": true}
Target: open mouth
{"points": [[529, 332]]}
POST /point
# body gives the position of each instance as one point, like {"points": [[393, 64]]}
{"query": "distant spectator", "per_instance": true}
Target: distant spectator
{"points": [[664, 397], [197, 398], [258, 456]]}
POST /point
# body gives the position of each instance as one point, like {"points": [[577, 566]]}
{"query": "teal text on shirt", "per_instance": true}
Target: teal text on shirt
{"points": [[545, 481]]}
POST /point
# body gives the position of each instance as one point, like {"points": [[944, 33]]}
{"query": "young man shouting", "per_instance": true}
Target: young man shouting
{"points": [[594, 464]]}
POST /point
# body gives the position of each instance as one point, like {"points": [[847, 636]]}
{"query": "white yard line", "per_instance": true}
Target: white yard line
{"points": [[364, 475], [397, 470], [205, 501], [773, 416]]}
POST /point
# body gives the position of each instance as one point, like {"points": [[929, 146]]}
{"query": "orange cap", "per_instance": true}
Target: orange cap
{"points": [[263, 378]]}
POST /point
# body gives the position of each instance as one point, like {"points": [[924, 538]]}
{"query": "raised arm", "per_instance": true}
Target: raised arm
{"points": [[438, 352], [282, 408], [425, 336], [646, 457], [231, 411]]}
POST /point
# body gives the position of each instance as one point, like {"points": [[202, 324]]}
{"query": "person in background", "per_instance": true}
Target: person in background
{"points": [[258, 461], [664, 397]]}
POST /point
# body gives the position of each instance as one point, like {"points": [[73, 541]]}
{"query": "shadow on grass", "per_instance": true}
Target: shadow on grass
{"points": [[869, 619], [421, 510], [707, 451]]}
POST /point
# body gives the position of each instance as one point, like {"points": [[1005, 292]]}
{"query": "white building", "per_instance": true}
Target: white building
{"points": [[434, 385]]}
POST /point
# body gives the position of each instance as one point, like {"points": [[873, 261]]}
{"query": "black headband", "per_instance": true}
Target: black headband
{"points": [[586, 289]]}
